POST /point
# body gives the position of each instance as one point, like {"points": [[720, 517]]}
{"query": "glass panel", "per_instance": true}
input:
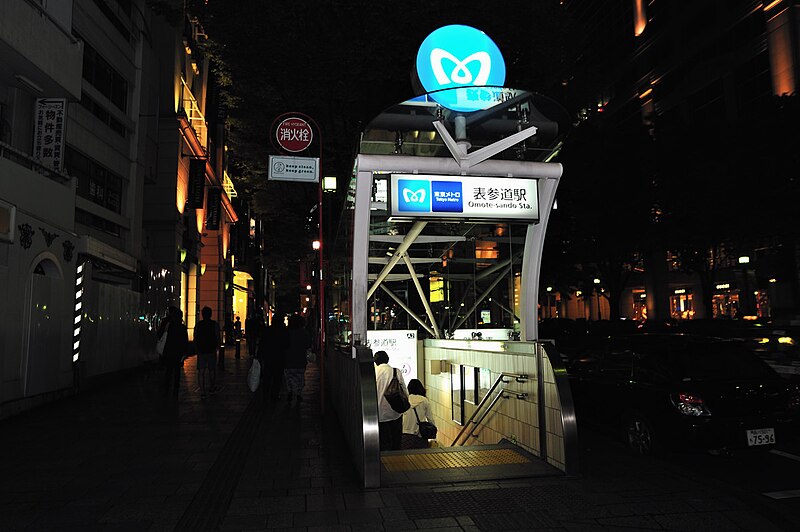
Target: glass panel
{"points": [[470, 384], [457, 394], [484, 383]]}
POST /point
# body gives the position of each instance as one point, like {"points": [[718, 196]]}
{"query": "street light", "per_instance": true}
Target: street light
{"points": [[597, 296], [315, 245], [329, 183], [744, 260]]}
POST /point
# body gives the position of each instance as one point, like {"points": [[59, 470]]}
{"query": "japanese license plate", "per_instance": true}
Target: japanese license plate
{"points": [[760, 437]]}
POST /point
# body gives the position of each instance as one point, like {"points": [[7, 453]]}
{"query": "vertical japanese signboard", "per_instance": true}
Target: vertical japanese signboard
{"points": [[214, 208], [197, 183], [48, 135]]}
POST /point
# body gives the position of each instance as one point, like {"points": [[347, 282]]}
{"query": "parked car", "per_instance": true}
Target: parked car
{"points": [[676, 391]]}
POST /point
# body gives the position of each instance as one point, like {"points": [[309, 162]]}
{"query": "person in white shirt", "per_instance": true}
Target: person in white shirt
{"points": [[419, 402], [390, 423]]}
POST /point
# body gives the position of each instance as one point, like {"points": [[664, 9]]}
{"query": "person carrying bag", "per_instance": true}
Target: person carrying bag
{"points": [[392, 402], [396, 395], [417, 427]]}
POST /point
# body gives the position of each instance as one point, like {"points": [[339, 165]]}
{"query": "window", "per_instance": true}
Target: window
{"points": [[121, 5], [103, 77], [98, 222], [104, 116], [95, 183]]}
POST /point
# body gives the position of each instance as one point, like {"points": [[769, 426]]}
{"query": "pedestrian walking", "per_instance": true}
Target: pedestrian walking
{"points": [[294, 360], [206, 341], [420, 411], [271, 353], [390, 422], [253, 327], [175, 349], [237, 336]]}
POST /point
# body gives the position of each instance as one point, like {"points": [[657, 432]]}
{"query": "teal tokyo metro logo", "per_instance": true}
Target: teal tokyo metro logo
{"points": [[459, 57], [423, 196], [414, 195]]}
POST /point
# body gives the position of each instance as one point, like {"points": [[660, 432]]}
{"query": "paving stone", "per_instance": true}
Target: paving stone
{"points": [[316, 519], [699, 521], [129, 462], [441, 522]]}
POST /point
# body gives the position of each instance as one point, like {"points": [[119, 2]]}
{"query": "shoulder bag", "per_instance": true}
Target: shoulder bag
{"points": [[427, 430], [395, 395]]}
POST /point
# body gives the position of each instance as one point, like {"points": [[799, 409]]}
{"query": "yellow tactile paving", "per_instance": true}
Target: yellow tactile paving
{"points": [[471, 458]]}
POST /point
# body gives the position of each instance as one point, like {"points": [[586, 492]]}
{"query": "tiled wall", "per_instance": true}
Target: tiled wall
{"points": [[514, 419]]}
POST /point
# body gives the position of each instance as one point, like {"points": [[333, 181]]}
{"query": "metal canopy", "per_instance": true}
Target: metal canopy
{"points": [[511, 139]]}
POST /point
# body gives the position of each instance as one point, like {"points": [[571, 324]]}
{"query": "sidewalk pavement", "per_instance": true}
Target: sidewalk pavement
{"points": [[126, 457]]}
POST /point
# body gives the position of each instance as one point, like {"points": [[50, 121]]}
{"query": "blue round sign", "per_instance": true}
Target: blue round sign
{"points": [[462, 58]]}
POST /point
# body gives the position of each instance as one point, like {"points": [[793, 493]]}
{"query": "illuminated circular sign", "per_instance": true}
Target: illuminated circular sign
{"points": [[462, 58], [294, 134]]}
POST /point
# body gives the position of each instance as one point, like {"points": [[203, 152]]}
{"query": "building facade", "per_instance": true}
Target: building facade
{"points": [[104, 112], [710, 69]]}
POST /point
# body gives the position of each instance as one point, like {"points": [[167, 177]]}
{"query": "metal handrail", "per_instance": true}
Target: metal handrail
{"points": [[471, 423]]}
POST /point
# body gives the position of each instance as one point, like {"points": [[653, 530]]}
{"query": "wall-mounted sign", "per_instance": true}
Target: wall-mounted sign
{"points": [[483, 334], [400, 345], [286, 168], [197, 183], [463, 58], [463, 197], [294, 134], [48, 134], [214, 208]]}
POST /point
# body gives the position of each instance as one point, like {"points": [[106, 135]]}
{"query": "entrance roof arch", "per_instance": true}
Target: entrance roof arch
{"points": [[516, 137]]}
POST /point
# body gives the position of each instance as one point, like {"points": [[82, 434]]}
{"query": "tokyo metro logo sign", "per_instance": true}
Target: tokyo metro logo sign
{"points": [[415, 195], [460, 57], [426, 196]]}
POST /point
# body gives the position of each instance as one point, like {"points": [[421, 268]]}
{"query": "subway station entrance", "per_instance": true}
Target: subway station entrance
{"points": [[437, 262]]}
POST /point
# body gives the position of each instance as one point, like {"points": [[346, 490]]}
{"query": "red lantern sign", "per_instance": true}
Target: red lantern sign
{"points": [[294, 134]]}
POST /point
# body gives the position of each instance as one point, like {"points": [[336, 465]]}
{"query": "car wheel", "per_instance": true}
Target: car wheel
{"points": [[641, 437]]}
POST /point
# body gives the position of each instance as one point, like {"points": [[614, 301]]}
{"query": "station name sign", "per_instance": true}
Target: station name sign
{"points": [[413, 196]]}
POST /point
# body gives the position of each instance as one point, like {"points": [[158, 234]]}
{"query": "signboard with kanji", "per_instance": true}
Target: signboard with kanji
{"points": [[48, 134], [417, 196], [294, 134], [400, 345]]}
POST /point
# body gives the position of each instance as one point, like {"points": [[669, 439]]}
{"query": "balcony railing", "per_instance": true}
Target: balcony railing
{"points": [[194, 114], [23, 159], [227, 184]]}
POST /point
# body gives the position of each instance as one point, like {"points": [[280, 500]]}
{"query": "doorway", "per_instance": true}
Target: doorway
{"points": [[44, 332]]}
